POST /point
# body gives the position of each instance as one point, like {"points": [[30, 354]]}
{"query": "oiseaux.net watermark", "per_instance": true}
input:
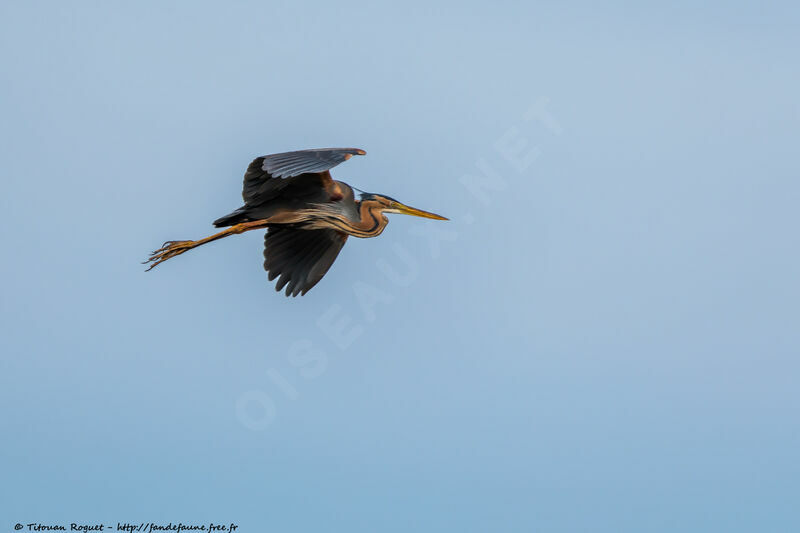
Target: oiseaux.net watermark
{"points": [[513, 154]]}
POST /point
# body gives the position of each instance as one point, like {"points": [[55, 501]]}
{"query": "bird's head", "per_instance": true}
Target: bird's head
{"points": [[387, 204]]}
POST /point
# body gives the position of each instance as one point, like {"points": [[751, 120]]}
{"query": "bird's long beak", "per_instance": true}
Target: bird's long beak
{"points": [[406, 210]]}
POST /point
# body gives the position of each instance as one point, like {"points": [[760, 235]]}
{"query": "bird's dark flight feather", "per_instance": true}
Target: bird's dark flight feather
{"points": [[300, 257]]}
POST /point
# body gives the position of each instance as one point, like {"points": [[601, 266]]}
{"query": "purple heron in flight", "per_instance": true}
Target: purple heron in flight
{"points": [[308, 215]]}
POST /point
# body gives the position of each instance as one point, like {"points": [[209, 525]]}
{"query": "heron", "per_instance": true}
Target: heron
{"points": [[307, 214]]}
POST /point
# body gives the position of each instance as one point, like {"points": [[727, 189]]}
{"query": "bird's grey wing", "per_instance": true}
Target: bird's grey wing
{"points": [[290, 164], [300, 257], [268, 175]]}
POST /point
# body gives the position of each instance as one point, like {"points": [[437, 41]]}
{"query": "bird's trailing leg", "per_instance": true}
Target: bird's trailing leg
{"points": [[171, 249]]}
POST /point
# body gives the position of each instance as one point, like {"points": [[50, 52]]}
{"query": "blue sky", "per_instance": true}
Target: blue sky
{"points": [[603, 338]]}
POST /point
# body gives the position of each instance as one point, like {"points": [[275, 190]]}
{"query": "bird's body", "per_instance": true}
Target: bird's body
{"points": [[308, 215]]}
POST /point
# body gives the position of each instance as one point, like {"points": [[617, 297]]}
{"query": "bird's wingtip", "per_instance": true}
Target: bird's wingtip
{"points": [[356, 151]]}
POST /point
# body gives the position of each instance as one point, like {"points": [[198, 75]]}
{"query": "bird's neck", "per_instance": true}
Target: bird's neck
{"points": [[367, 221], [371, 221]]}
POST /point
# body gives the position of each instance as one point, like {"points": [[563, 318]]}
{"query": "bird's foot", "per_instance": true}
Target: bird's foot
{"points": [[169, 250]]}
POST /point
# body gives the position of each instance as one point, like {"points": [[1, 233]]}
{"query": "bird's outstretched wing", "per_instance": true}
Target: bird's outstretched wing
{"points": [[300, 257], [268, 175]]}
